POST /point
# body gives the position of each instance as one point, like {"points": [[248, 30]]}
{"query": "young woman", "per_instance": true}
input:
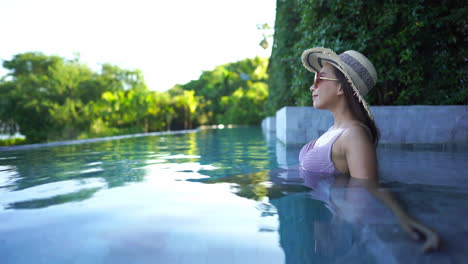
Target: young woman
{"points": [[348, 149]]}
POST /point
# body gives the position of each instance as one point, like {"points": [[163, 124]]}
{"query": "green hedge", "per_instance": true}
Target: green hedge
{"points": [[12, 141], [419, 48]]}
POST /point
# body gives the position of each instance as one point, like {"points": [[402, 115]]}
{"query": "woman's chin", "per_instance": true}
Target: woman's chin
{"points": [[316, 105]]}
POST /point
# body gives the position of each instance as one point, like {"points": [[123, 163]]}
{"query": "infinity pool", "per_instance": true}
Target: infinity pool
{"points": [[215, 196]]}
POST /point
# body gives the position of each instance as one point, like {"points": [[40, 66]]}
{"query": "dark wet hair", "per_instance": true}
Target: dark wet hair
{"points": [[357, 109]]}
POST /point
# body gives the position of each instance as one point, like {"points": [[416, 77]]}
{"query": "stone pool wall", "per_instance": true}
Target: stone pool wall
{"points": [[398, 124]]}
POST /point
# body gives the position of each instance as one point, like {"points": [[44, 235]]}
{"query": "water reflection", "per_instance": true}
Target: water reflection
{"points": [[311, 233], [194, 185], [263, 184], [323, 218], [210, 153], [312, 228], [55, 200], [113, 163]]}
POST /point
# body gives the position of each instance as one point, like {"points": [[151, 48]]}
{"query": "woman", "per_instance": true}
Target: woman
{"points": [[349, 147]]}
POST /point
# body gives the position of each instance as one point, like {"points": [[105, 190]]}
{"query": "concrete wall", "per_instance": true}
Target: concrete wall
{"points": [[298, 125], [269, 124], [422, 124], [397, 124]]}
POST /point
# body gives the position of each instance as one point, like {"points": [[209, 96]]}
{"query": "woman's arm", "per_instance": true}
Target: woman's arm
{"points": [[412, 226], [361, 157]]}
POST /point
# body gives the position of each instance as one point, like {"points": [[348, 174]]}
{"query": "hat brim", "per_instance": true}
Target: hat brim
{"points": [[314, 59]]}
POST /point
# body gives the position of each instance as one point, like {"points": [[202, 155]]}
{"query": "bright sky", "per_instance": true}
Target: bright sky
{"points": [[171, 41]]}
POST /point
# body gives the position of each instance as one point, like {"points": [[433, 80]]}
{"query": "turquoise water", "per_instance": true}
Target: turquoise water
{"points": [[214, 196]]}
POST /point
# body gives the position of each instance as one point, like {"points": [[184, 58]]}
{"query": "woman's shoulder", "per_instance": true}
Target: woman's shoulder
{"points": [[357, 142], [357, 131]]}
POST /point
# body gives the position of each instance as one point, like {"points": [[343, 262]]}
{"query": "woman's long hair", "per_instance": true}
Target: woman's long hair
{"points": [[357, 109]]}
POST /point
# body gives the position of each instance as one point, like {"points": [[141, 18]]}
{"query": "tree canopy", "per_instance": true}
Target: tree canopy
{"points": [[417, 47], [50, 98], [234, 93]]}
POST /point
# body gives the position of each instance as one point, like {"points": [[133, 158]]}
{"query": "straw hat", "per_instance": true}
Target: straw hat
{"points": [[357, 69]]}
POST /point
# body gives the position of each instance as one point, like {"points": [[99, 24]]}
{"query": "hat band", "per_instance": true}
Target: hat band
{"points": [[360, 70]]}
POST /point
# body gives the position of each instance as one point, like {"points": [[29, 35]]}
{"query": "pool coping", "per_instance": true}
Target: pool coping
{"points": [[93, 140]]}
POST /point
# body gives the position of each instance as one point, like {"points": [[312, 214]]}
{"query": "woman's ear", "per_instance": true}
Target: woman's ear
{"points": [[340, 89]]}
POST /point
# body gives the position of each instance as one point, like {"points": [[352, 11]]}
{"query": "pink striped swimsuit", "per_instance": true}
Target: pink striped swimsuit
{"points": [[315, 157], [316, 166]]}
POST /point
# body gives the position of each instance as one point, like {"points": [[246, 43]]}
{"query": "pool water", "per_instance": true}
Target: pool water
{"points": [[217, 196]]}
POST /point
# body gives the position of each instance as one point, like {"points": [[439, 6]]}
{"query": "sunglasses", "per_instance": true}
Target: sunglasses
{"points": [[318, 78]]}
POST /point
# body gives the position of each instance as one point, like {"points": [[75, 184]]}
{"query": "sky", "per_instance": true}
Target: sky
{"points": [[170, 41]]}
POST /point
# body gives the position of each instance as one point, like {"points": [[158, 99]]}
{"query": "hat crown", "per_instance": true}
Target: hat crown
{"points": [[360, 69]]}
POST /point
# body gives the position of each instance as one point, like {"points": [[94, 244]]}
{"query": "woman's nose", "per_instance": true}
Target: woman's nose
{"points": [[312, 88]]}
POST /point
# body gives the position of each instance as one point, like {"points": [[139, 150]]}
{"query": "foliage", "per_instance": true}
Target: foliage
{"points": [[49, 98], [233, 93], [418, 48], [11, 141]]}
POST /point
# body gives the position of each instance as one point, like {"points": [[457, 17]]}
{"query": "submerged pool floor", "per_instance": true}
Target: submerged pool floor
{"points": [[217, 196]]}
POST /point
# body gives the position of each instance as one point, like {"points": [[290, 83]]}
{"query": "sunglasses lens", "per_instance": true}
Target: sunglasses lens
{"points": [[316, 80]]}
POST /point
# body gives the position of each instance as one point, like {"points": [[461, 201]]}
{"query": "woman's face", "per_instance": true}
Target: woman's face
{"points": [[326, 94]]}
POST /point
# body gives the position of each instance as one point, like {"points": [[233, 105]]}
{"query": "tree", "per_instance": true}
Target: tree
{"points": [[233, 93], [50, 98], [417, 47], [40, 90]]}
